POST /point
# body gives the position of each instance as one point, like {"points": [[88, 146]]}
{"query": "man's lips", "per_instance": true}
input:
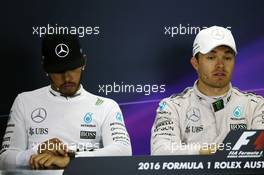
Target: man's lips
{"points": [[222, 74], [68, 85]]}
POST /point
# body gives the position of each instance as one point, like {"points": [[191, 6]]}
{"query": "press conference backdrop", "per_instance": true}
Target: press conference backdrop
{"points": [[143, 45]]}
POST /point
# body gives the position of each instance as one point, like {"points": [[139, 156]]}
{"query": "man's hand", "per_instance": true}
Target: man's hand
{"points": [[48, 160], [53, 145]]}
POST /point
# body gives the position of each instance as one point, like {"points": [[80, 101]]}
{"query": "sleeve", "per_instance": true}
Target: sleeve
{"points": [[166, 132], [14, 152], [116, 141], [258, 114]]}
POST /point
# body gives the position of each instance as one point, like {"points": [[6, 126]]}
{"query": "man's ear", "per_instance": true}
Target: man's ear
{"points": [[194, 63]]}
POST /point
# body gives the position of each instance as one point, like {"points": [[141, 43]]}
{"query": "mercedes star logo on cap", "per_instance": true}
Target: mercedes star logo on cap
{"points": [[62, 50], [218, 34]]}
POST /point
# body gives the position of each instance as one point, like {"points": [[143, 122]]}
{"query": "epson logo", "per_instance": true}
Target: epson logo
{"points": [[236, 127], [87, 134]]}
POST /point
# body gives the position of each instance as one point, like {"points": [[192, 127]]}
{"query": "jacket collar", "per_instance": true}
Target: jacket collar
{"points": [[210, 100], [59, 95]]}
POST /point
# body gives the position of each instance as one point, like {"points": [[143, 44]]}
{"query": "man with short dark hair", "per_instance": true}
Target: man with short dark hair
{"points": [[50, 124], [197, 120]]}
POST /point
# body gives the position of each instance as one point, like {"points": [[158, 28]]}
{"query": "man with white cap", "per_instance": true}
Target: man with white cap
{"points": [[197, 120], [48, 125]]}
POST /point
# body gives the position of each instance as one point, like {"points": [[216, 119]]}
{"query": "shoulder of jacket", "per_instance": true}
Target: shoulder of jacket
{"points": [[185, 94], [178, 99], [101, 101], [251, 96], [33, 93]]}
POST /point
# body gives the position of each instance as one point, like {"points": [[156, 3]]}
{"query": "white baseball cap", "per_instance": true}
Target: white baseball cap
{"points": [[209, 38]]}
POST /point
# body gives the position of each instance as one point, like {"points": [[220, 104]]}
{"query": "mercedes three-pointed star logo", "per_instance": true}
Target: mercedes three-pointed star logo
{"points": [[218, 34], [39, 115], [193, 114], [62, 50]]}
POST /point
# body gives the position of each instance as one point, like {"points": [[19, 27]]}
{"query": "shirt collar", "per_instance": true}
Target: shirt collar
{"points": [[208, 100], [59, 95]]}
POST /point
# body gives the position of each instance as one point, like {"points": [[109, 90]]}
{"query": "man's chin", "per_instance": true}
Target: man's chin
{"points": [[221, 84], [68, 93]]}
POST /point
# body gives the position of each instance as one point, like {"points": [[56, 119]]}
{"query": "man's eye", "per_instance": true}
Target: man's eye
{"points": [[228, 58], [210, 58]]}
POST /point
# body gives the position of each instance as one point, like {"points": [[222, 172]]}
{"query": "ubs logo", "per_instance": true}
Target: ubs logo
{"points": [[39, 115], [38, 131]]}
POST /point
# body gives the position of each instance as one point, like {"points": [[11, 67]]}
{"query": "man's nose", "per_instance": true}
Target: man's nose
{"points": [[220, 63], [66, 76]]}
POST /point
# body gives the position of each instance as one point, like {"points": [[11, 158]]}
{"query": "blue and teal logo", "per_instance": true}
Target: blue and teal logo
{"points": [[88, 118], [237, 112], [162, 106], [119, 117]]}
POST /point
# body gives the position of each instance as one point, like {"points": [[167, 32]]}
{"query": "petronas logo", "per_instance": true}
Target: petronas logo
{"points": [[237, 112], [99, 102]]}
